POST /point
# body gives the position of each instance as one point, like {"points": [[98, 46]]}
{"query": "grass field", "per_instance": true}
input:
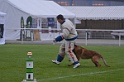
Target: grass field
{"points": [[12, 64]]}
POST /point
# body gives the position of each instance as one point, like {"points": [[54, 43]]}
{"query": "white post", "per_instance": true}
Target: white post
{"points": [[22, 35], [119, 39], [86, 38], [50, 33]]}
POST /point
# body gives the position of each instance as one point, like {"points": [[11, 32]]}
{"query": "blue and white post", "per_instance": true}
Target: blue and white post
{"points": [[29, 69]]}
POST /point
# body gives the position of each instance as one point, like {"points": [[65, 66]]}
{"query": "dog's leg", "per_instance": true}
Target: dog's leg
{"points": [[95, 60], [70, 64], [78, 57]]}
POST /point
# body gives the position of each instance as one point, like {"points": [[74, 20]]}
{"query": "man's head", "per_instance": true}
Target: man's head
{"points": [[60, 18]]}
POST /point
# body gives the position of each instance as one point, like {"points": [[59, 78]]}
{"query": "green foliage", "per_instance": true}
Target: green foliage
{"points": [[12, 64]]}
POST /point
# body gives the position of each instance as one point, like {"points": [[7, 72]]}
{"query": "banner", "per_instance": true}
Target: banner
{"points": [[51, 22]]}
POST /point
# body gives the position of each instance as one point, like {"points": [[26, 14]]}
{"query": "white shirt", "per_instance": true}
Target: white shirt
{"points": [[68, 30]]}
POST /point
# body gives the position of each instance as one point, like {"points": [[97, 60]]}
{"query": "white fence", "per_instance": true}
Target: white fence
{"points": [[35, 35], [111, 35]]}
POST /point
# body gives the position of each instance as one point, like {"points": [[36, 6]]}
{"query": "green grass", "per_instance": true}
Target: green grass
{"points": [[12, 64]]}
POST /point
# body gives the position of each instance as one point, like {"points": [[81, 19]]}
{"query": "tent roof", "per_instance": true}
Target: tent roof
{"points": [[97, 12], [40, 8]]}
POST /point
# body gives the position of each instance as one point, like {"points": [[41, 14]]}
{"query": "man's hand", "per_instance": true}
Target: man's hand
{"points": [[58, 39]]}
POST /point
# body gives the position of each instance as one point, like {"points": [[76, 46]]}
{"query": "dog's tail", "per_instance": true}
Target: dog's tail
{"points": [[104, 61]]}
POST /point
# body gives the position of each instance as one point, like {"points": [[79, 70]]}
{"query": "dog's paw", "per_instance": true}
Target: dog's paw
{"points": [[70, 64]]}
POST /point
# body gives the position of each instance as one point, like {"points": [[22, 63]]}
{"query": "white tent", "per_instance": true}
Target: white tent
{"points": [[97, 12], [15, 9], [2, 31]]}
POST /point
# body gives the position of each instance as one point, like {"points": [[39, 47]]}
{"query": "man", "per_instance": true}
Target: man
{"points": [[69, 34]]}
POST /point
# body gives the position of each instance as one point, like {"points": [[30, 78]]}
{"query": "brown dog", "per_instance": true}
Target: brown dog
{"points": [[83, 53]]}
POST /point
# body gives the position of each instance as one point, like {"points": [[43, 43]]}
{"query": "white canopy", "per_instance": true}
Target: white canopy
{"points": [[2, 24], [97, 12], [2, 17], [40, 8], [15, 9]]}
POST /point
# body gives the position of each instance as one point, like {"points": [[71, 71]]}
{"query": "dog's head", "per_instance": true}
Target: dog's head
{"points": [[77, 49]]}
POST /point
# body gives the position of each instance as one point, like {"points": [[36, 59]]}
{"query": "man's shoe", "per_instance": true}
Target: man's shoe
{"points": [[56, 62], [76, 65]]}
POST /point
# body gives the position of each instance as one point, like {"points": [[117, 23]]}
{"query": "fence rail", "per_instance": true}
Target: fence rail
{"points": [[84, 34]]}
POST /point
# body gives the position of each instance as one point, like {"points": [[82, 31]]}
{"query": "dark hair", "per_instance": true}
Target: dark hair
{"points": [[60, 17]]}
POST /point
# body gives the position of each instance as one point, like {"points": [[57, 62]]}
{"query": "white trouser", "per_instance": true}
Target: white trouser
{"points": [[66, 48]]}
